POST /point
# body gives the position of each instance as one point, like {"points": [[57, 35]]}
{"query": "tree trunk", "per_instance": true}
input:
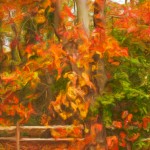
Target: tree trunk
{"points": [[15, 47], [1, 48], [57, 19], [82, 15], [72, 47], [100, 81]]}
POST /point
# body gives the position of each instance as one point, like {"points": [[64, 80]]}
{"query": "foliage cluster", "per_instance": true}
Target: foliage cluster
{"points": [[127, 94], [56, 81]]}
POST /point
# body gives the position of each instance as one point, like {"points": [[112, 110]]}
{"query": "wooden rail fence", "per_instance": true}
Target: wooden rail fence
{"points": [[17, 137], [16, 130]]}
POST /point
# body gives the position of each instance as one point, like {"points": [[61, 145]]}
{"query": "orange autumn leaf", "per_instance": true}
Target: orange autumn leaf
{"points": [[15, 100], [45, 119], [123, 143], [96, 129], [134, 137], [122, 135], [117, 124], [29, 49], [30, 109], [129, 117], [112, 142], [12, 99], [3, 121], [87, 81], [8, 77], [132, 29], [116, 63], [59, 133], [138, 124], [21, 111], [124, 114], [68, 11], [77, 132], [99, 127]]}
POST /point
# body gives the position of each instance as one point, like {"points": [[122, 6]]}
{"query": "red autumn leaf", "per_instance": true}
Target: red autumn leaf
{"points": [[14, 43], [146, 18], [38, 38], [146, 121], [109, 76], [2, 120]]}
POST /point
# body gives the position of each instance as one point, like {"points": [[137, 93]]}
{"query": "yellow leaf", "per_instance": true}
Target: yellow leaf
{"points": [[51, 9], [74, 106], [40, 18], [87, 81], [83, 109], [78, 101], [46, 3], [65, 115], [55, 134], [71, 93], [94, 68], [72, 76]]}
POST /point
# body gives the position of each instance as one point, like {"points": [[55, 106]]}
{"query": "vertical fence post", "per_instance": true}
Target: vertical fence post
{"points": [[18, 136]]}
